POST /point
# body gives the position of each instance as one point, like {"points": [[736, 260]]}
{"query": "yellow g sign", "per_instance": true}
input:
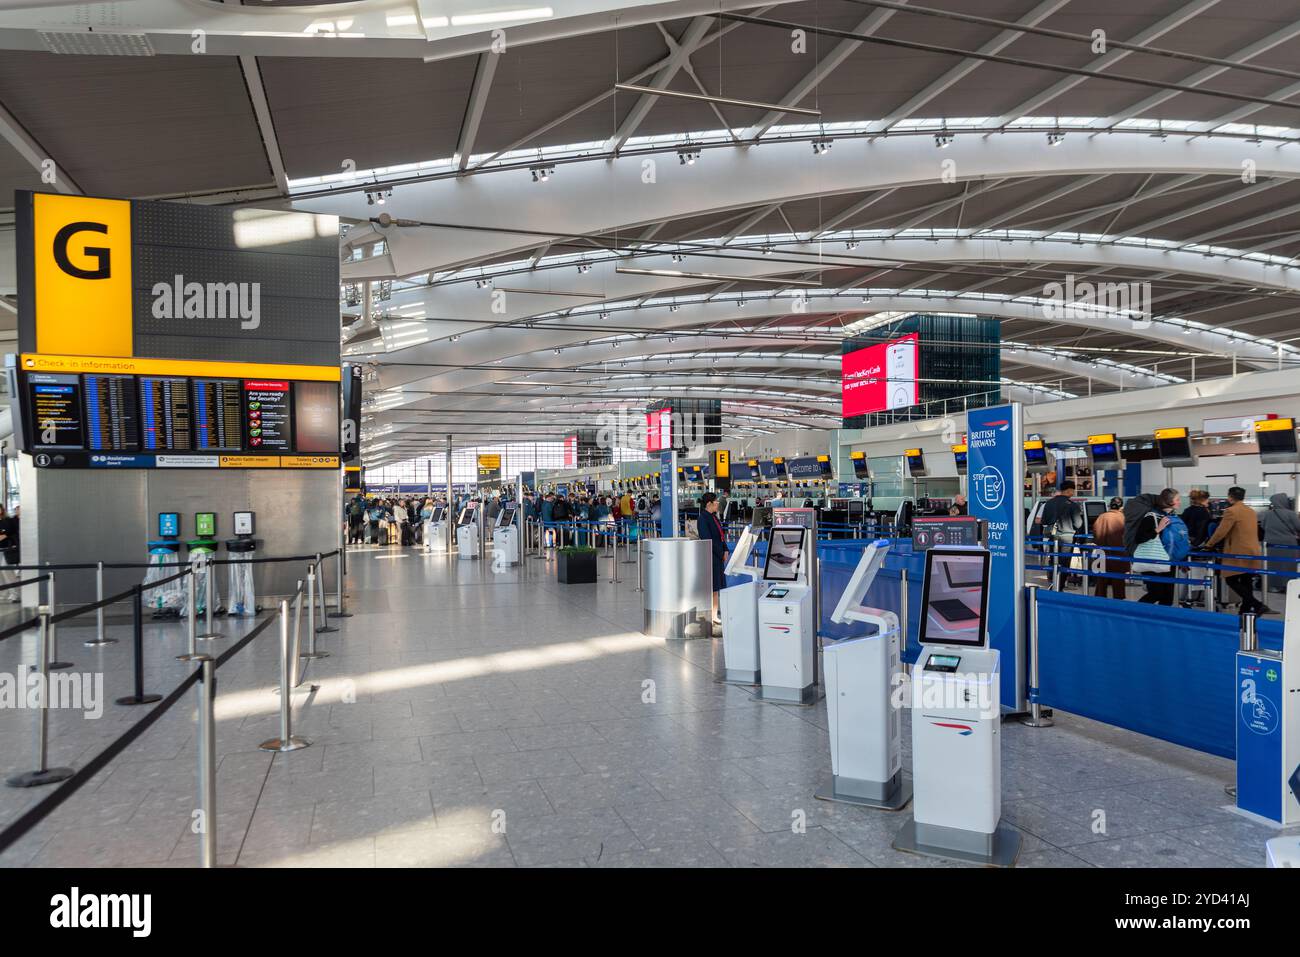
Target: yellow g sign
{"points": [[82, 261]]}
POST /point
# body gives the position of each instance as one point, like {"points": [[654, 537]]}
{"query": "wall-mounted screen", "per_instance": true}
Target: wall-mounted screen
{"points": [[55, 403], [955, 598], [218, 415], [112, 413], [1277, 440], [959, 456], [915, 463], [880, 377], [861, 469], [1104, 450], [316, 418], [267, 415], [1175, 447], [1036, 456], [166, 422]]}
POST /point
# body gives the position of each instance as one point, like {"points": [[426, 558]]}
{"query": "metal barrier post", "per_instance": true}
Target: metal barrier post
{"points": [[205, 563], [54, 663], [1249, 636], [640, 582], [324, 625], [99, 638], [311, 651], [286, 741], [340, 610], [1211, 596], [191, 619], [904, 613], [207, 693], [1036, 717], [627, 544], [42, 774], [137, 642]]}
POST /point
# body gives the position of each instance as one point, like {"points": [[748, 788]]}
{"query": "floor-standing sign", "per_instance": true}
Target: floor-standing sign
{"points": [[668, 494], [995, 467]]}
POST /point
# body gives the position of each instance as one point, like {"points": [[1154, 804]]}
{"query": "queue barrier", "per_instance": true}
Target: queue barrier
{"points": [[202, 679]]}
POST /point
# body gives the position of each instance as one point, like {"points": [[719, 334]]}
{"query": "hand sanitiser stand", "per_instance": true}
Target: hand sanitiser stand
{"points": [[863, 678], [738, 606], [956, 719]]}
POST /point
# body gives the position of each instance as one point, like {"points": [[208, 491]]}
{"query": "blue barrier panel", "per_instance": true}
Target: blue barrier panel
{"points": [[1162, 671]]}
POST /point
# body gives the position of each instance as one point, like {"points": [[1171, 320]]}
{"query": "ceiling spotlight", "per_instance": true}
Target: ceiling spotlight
{"points": [[584, 267], [688, 154], [674, 307], [943, 140], [557, 351], [542, 172], [455, 338], [483, 283], [678, 257], [822, 145], [614, 344], [851, 244], [767, 250], [1055, 138]]}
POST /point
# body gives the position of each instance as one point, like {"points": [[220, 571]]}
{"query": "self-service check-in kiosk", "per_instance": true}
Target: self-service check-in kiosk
{"points": [[467, 532], [1268, 724], [436, 535], [505, 536], [956, 719], [738, 606], [242, 599], [787, 635], [865, 721]]}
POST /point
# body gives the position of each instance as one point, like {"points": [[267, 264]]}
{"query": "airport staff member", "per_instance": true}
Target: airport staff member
{"points": [[1108, 532], [1239, 532], [710, 529]]}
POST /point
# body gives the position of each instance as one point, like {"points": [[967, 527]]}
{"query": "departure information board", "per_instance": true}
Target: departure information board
{"points": [[267, 410], [55, 402], [165, 418], [218, 415], [112, 413]]}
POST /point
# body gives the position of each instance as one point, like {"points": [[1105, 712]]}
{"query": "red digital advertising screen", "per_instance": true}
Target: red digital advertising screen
{"points": [[880, 377], [571, 452], [659, 430]]}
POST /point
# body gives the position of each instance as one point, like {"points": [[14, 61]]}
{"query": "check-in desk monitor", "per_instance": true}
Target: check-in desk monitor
{"points": [[505, 517], [785, 552], [467, 516], [956, 597], [438, 512]]}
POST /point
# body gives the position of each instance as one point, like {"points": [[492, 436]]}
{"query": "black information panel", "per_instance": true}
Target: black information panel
{"points": [[267, 413], [167, 424], [930, 531], [55, 403], [218, 415], [316, 417], [112, 413]]}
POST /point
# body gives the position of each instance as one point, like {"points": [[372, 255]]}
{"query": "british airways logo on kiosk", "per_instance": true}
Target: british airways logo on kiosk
{"points": [[962, 729]]}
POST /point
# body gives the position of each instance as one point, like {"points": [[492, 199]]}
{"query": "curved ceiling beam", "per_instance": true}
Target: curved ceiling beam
{"points": [[599, 194], [707, 324]]}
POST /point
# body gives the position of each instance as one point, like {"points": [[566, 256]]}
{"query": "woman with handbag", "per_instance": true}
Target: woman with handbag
{"points": [[1151, 556]]}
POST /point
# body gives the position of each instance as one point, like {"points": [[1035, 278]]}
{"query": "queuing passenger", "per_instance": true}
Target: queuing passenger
{"points": [[1281, 532], [401, 522], [356, 519], [1062, 520], [710, 529], [9, 545], [959, 503], [1238, 531], [1196, 516], [1153, 553], [1108, 532]]}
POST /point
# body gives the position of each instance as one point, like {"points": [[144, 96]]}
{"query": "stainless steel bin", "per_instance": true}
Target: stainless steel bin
{"points": [[678, 588]]}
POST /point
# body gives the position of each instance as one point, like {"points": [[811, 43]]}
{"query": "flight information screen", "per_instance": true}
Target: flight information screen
{"points": [[218, 415], [166, 422], [112, 413], [267, 413], [55, 401]]}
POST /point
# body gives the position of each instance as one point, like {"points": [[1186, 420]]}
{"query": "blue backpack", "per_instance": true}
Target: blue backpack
{"points": [[1175, 538]]}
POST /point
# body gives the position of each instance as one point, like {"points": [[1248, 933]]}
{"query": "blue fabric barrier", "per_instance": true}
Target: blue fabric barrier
{"points": [[1165, 672]]}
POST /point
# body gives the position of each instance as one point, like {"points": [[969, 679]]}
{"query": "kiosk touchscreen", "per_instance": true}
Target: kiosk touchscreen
{"points": [[738, 608], [436, 537], [467, 540], [787, 637], [861, 675], [505, 537], [956, 719]]}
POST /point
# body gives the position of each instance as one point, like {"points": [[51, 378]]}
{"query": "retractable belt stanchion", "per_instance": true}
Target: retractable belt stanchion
{"points": [[1210, 603], [137, 649], [207, 695], [191, 619], [54, 663], [640, 581], [324, 625], [340, 610], [205, 563], [311, 651], [286, 741], [42, 774], [100, 638], [1036, 718], [904, 617]]}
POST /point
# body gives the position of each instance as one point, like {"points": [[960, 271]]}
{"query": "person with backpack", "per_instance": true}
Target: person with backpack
{"points": [[1157, 540], [1238, 532], [560, 510], [356, 519], [1062, 520], [1281, 531]]}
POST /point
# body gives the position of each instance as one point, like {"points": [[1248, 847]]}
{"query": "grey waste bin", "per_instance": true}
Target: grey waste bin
{"points": [[678, 588]]}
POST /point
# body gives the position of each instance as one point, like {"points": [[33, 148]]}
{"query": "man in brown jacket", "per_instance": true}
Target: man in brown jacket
{"points": [[1239, 532]]}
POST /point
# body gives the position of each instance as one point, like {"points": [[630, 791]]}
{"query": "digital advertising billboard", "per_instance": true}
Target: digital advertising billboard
{"points": [[880, 377]]}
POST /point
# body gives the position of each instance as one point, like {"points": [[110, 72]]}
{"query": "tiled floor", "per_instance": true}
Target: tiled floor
{"points": [[480, 718]]}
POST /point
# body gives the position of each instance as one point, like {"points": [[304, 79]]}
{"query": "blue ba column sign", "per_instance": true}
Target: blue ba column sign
{"points": [[1268, 724], [995, 469], [668, 494]]}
